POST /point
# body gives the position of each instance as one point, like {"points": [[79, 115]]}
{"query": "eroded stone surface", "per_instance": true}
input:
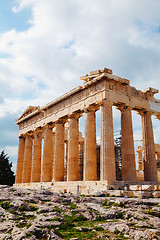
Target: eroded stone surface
{"points": [[31, 214]]}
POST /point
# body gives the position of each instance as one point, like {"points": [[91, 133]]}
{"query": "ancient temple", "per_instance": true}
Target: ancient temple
{"points": [[44, 148]]}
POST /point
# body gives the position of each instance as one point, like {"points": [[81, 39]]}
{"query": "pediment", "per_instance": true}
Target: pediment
{"points": [[28, 111]]}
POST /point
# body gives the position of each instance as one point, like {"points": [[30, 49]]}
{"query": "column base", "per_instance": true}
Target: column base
{"points": [[98, 188]]}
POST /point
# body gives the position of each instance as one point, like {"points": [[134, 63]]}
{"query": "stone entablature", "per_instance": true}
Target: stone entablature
{"points": [[100, 86], [101, 90]]}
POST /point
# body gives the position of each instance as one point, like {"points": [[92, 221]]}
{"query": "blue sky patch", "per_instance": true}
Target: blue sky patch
{"points": [[4, 55], [10, 20]]}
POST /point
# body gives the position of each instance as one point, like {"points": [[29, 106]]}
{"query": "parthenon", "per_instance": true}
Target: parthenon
{"points": [[50, 134]]}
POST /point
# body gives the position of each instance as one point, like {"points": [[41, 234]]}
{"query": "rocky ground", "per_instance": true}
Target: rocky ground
{"points": [[30, 214]]}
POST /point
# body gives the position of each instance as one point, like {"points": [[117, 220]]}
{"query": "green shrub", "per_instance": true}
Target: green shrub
{"points": [[98, 229], [5, 205], [57, 209], [73, 206]]}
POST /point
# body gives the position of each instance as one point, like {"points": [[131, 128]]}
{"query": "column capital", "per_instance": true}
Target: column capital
{"points": [[140, 149], [144, 112], [30, 133], [61, 121], [21, 136], [157, 117], [75, 115], [123, 107], [39, 130], [91, 108], [50, 125], [106, 102]]}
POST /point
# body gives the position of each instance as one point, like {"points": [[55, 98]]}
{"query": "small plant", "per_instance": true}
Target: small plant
{"points": [[30, 217], [5, 205], [109, 204], [147, 211], [13, 190], [85, 229], [45, 215], [23, 208], [29, 235], [120, 215], [156, 214], [21, 225], [73, 206], [33, 208], [98, 229], [100, 218], [57, 209], [58, 219], [50, 227], [10, 231]]}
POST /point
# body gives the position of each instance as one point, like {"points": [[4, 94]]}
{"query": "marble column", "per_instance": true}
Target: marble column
{"points": [[65, 159], [53, 146], [20, 160], [27, 165], [140, 160], [36, 159], [81, 160], [158, 150], [47, 160], [73, 149], [59, 152], [150, 166], [127, 147], [90, 156], [107, 153]]}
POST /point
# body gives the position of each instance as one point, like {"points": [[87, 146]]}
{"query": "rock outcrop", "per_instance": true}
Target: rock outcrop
{"points": [[32, 214]]}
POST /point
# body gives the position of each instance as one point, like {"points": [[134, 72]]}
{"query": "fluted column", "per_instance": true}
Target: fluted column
{"points": [[127, 148], [66, 160], [158, 150], [27, 165], [47, 160], [73, 149], [150, 166], [107, 155], [90, 157], [140, 159], [36, 159], [20, 160], [81, 160], [59, 152], [53, 148]]}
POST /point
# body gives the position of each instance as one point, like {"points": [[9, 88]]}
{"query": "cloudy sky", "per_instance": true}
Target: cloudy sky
{"points": [[47, 45]]}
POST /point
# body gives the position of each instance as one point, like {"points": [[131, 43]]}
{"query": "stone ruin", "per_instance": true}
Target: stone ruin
{"points": [[51, 146], [140, 162]]}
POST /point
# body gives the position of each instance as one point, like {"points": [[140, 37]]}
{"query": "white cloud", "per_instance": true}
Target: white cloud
{"points": [[67, 39], [11, 152]]}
